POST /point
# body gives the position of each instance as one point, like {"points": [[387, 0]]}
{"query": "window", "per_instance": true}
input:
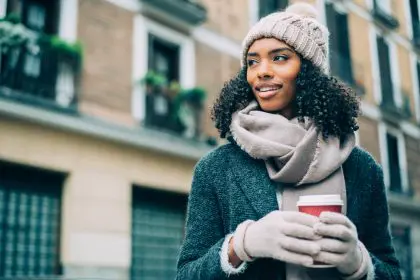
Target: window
{"points": [[402, 245], [171, 46], [385, 72], [415, 21], [340, 58], [158, 220], [269, 6], [394, 162], [30, 209], [163, 60]]}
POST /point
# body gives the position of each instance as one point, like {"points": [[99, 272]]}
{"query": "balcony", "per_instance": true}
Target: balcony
{"points": [[188, 11], [38, 70], [170, 108], [391, 110]]}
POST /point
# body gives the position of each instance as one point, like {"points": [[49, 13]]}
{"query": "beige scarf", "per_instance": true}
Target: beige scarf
{"points": [[296, 155]]}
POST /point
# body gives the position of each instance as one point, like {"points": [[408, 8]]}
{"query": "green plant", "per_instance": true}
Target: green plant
{"points": [[153, 79], [196, 95], [12, 18]]}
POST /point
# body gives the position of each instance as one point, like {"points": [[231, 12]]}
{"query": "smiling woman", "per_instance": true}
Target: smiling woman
{"points": [[291, 131], [273, 67]]}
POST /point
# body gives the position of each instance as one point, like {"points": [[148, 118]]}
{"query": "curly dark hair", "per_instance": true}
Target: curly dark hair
{"points": [[332, 104]]}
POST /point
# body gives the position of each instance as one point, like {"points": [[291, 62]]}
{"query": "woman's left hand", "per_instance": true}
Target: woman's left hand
{"points": [[339, 245]]}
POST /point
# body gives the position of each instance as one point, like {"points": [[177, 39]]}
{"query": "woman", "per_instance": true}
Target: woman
{"points": [[291, 132]]}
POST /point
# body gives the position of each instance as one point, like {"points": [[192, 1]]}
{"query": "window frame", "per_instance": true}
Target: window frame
{"points": [[374, 33], [415, 77], [142, 28], [384, 129]]}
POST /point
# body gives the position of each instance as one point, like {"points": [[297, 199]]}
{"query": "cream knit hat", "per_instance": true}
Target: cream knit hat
{"points": [[298, 27]]}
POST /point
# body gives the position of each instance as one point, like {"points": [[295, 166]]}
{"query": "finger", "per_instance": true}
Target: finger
{"points": [[299, 231], [335, 231], [299, 246], [329, 258], [336, 218], [300, 218], [291, 257], [333, 245]]}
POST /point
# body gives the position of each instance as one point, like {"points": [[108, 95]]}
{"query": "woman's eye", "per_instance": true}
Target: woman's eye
{"points": [[251, 62], [280, 58]]}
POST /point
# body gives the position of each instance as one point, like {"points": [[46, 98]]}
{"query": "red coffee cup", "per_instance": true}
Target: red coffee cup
{"points": [[316, 204]]}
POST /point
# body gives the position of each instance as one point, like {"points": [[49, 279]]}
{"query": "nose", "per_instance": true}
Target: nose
{"points": [[264, 71]]}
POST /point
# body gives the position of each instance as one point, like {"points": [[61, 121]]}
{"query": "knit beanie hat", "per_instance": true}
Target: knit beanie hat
{"points": [[298, 27]]}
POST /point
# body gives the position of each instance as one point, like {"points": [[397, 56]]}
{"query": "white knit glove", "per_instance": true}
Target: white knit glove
{"points": [[285, 236], [340, 245]]}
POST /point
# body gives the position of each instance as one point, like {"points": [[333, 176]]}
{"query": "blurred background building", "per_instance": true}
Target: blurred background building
{"points": [[104, 111]]}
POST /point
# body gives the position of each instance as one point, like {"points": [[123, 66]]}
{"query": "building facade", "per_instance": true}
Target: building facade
{"points": [[104, 119]]}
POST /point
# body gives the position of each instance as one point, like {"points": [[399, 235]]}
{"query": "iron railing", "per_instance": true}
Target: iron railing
{"points": [[43, 76]]}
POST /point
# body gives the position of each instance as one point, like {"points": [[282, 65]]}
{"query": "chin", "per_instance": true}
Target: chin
{"points": [[267, 107]]}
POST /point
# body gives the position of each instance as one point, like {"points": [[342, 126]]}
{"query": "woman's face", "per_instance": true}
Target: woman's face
{"points": [[272, 70]]}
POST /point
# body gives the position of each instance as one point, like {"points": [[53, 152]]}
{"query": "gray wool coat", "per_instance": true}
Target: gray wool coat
{"points": [[230, 187]]}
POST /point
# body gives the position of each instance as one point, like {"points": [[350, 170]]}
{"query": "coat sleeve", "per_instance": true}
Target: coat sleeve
{"points": [[378, 240], [199, 258]]}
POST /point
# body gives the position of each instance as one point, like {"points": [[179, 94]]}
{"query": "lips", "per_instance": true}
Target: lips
{"points": [[266, 91]]}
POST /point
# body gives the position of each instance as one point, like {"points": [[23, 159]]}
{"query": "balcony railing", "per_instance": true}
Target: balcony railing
{"points": [[188, 11], [168, 113], [391, 109], [39, 73]]}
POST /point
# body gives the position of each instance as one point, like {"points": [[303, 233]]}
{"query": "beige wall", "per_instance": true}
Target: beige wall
{"points": [[213, 69], [361, 55], [369, 137], [398, 8], [228, 17], [96, 214], [413, 163], [106, 31]]}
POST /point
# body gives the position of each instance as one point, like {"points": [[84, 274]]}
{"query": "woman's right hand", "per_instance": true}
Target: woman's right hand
{"points": [[283, 235]]}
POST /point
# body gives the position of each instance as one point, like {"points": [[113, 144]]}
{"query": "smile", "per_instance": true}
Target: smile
{"points": [[266, 92]]}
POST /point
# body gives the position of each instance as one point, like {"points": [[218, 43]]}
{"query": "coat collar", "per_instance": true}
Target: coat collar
{"points": [[252, 178]]}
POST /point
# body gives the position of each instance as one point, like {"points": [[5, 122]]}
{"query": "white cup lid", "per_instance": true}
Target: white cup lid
{"points": [[316, 200]]}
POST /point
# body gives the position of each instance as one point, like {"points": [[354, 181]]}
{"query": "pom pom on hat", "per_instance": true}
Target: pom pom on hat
{"points": [[303, 9]]}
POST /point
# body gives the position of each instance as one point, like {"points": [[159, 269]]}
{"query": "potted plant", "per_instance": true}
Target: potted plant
{"points": [[153, 81], [189, 103]]}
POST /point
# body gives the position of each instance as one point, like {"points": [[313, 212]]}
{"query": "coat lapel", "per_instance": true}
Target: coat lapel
{"points": [[252, 178]]}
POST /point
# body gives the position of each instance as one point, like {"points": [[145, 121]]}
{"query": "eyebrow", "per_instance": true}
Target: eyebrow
{"points": [[253, 54]]}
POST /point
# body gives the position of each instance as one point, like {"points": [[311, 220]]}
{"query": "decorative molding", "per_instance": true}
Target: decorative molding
{"points": [[403, 203], [374, 113], [402, 156], [142, 27], [141, 138], [68, 20], [131, 5], [3, 8], [217, 41], [373, 47], [416, 85]]}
